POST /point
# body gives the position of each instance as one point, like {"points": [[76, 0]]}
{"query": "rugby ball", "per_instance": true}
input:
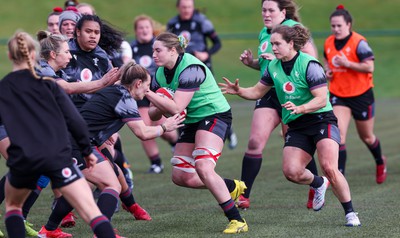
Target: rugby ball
{"points": [[165, 92], [168, 93]]}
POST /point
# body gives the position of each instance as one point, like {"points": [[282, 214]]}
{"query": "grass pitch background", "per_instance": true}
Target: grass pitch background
{"points": [[277, 206]]}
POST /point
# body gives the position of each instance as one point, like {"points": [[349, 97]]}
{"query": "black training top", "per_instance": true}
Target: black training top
{"points": [[142, 53], [37, 115], [196, 31], [85, 66], [107, 112]]}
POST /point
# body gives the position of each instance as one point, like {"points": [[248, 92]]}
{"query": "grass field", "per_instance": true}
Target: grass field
{"points": [[238, 24], [278, 206]]}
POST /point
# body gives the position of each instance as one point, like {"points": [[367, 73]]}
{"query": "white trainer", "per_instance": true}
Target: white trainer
{"points": [[319, 196], [352, 219]]}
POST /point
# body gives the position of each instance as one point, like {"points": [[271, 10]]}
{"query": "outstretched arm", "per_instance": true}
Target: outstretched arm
{"points": [[90, 87], [144, 132], [251, 93]]}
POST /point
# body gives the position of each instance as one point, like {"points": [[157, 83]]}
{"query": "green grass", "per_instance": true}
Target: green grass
{"points": [[238, 22], [278, 206]]}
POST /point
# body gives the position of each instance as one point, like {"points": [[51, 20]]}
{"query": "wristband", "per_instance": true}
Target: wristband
{"points": [[163, 127]]}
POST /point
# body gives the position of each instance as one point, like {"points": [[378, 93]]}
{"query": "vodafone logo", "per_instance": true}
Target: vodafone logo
{"points": [[86, 75], [74, 160], [288, 87], [264, 46], [145, 61], [66, 172]]}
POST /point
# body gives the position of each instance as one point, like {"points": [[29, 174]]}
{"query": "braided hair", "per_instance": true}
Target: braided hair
{"points": [[20, 46]]}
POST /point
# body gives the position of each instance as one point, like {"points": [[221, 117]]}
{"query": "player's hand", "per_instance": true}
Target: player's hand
{"points": [[341, 60], [247, 57], [174, 122], [90, 160], [268, 56], [110, 77], [229, 87], [290, 106]]}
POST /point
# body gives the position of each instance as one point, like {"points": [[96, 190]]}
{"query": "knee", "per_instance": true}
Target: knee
{"points": [[369, 140], [291, 174], [183, 180], [255, 144], [114, 185], [204, 172], [177, 180]]}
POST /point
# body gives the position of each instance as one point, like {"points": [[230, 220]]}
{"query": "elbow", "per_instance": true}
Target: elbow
{"points": [[141, 136], [68, 90]]}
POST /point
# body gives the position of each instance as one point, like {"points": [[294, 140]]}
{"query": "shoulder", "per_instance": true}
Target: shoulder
{"points": [[134, 43], [99, 52], [290, 22], [197, 16], [173, 20], [46, 69], [73, 46], [357, 36], [330, 39]]}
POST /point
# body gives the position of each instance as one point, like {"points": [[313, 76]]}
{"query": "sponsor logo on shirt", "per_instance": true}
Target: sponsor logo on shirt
{"points": [[289, 87], [145, 61], [86, 75], [95, 60], [264, 46]]}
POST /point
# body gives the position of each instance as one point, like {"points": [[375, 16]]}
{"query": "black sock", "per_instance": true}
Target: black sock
{"points": [[375, 149], [155, 159], [101, 227], [348, 207], [342, 158], [230, 184], [2, 185], [251, 165], [119, 159], [15, 223], [317, 182], [60, 210], [231, 211], [118, 145], [107, 202], [33, 196], [127, 198], [312, 166]]}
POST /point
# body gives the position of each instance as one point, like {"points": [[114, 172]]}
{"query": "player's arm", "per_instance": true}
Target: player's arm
{"points": [[144, 132], [247, 59], [251, 93], [92, 86]]}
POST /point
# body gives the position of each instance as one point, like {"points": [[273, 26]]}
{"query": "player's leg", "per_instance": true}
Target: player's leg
{"points": [[264, 121], [343, 115]]}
